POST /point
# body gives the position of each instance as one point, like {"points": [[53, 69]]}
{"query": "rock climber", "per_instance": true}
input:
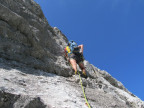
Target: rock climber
{"points": [[74, 54]]}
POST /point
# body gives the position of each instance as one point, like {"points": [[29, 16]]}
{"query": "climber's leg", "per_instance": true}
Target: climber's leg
{"points": [[81, 65], [73, 64]]}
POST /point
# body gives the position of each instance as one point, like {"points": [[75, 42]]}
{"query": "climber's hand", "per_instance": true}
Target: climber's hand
{"points": [[81, 52]]}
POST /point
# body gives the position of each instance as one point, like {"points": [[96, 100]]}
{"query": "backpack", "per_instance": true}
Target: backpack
{"points": [[72, 47]]}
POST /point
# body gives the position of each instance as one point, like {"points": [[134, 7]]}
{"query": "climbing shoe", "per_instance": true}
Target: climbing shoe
{"points": [[75, 72], [84, 75]]}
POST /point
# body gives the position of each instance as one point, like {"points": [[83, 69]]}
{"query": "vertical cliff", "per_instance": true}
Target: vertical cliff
{"points": [[34, 73], [26, 37]]}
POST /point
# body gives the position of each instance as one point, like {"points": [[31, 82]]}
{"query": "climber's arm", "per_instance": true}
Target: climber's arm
{"points": [[66, 55], [81, 48]]}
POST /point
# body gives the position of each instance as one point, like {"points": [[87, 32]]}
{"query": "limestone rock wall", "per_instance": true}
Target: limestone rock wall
{"points": [[25, 36], [34, 73]]}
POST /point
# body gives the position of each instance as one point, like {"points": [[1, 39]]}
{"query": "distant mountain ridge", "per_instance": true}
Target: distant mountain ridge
{"points": [[34, 73]]}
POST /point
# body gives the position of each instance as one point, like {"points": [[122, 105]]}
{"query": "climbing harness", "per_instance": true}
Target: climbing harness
{"points": [[84, 92]]}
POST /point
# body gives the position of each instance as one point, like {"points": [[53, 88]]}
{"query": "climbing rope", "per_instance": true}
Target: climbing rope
{"points": [[84, 92], [82, 89]]}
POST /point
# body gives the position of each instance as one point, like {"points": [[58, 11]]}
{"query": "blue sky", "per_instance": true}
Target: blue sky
{"points": [[112, 32]]}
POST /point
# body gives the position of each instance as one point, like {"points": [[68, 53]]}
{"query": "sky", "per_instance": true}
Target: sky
{"points": [[112, 32]]}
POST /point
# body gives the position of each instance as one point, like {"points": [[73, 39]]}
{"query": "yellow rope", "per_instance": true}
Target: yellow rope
{"points": [[83, 89], [84, 92]]}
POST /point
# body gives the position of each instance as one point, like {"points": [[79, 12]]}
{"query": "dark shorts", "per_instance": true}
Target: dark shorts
{"points": [[78, 57]]}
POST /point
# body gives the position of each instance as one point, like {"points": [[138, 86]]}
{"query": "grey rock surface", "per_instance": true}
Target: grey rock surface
{"points": [[34, 73], [25, 36]]}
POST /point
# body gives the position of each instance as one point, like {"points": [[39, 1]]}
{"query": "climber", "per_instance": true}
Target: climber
{"points": [[74, 55]]}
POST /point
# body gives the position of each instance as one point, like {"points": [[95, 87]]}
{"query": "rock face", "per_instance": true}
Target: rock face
{"points": [[34, 73], [26, 37]]}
